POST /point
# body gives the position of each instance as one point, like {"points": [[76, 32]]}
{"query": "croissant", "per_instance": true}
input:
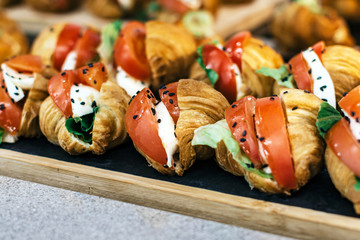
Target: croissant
{"points": [[54, 6], [108, 128], [296, 27], [306, 145], [5, 3], [349, 9], [13, 41], [255, 54], [114, 8], [185, 105]]}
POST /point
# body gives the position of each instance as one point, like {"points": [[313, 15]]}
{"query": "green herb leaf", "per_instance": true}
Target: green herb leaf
{"points": [[82, 126], [312, 5], [281, 75], [212, 75], [109, 35], [211, 135], [327, 117], [357, 184], [2, 131]]}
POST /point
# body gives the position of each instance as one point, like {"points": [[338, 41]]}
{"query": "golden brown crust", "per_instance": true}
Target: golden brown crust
{"points": [[12, 40], [346, 8], [105, 8], [170, 51], [109, 125], [29, 125], [53, 6], [226, 161], [5, 3], [342, 63], [296, 27], [343, 178]]}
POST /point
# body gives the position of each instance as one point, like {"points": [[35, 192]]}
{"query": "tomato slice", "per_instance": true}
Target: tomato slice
{"points": [[65, 43], [142, 126], [86, 47], [26, 63], [59, 87], [351, 102], [217, 60], [274, 143], [168, 95], [129, 51], [345, 146], [239, 117], [319, 48], [235, 45], [301, 74], [93, 74], [10, 113], [174, 6]]}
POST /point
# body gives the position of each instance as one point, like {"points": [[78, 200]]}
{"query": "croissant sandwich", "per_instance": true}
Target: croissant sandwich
{"points": [[54, 6], [162, 130], [232, 69], [23, 88], [303, 23], [342, 135], [115, 8], [84, 112], [272, 141], [149, 54], [65, 46], [349, 9], [13, 41]]}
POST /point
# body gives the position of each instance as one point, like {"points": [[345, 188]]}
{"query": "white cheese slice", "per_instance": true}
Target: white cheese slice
{"points": [[166, 132], [354, 125], [238, 79], [323, 84], [130, 84], [14, 92], [22, 80], [126, 4], [8, 138], [70, 62], [192, 4], [83, 99]]}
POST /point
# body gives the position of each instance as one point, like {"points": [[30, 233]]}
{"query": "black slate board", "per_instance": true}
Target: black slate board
{"points": [[319, 194]]}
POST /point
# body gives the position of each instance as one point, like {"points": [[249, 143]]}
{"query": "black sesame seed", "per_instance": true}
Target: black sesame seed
{"points": [[234, 125], [152, 95], [165, 166], [284, 79], [171, 94], [314, 60], [244, 133], [148, 91], [174, 126], [165, 92], [2, 86], [95, 81], [242, 139], [322, 88], [16, 94], [12, 100], [175, 135], [310, 71], [262, 139], [294, 108], [264, 166], [163, 86], [159, 120], [16, 88], [253, 115], [6, 90], [93, 104], [77, 90], [153, 111], [257, 136], [347, 118], [345, 93], [319, 77], [322, 51], [72, 100], [290, 66], [325, 100], [137, 93], [82, 103], [103, 69], [85, 71], [76, 84], [19, 72], [233, 106], [171, 101], [352, 113], [272, 98], [12, 76], [148, 96], [2, 106], [285, 92], [63, 73], [306, 91], [357, 120], [90, 65], [135, 116]]}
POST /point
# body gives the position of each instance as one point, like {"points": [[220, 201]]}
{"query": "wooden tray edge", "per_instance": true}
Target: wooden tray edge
{"points": [[225, 208]]}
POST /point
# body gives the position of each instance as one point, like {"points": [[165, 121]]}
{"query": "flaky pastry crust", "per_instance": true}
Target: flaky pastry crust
{"points": [[53, 6], [349, 9], [306, 143], [109, 125]]}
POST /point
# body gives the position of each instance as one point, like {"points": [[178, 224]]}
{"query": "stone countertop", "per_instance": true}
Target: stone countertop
{"points": [[34, 211]]}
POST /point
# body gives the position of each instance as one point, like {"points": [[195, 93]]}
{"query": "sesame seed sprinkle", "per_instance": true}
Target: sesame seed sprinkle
{"points": [[294, 108], [135, 116], [234, 124], [233, 106], [262, 139], [244, 133], [171, 94], [242, 139]]}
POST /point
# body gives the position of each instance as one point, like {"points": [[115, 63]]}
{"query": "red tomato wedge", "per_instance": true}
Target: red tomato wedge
{"points": [[351, 103], [235, 45], [142, 126], [239, 117], [217, 60], [59, 87], [345, 146], [10, 113], [65, 43], [129, 51], [86, 47], [26, 63], [174, 6], [301, 74], [168, 95], [273, 138], [319, 47], [93, 74]]}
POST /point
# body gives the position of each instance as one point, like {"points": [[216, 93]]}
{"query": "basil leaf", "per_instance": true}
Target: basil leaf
{"points": [[211, 135], [281, 75], [327, 117], [2, 131], [109, 35], [82, 126], [212, 75], [357, 184]]}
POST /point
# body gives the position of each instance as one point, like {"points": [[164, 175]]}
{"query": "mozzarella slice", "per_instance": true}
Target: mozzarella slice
{"points": [[21, 80], [8, 138], [238, 79], [323, 84], [70, 61], [166, 132], [83, 99], [192, 4], [15, 93], [354, 125], [130, 84], [126, 4]]}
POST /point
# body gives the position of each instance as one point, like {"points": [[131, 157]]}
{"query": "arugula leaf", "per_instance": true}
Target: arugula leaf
{"points": [[82, 126], [109, 35], [281, 75], [2, 131], [211, 135], [357, 184], [212, 75], [312, 5], [327, 117]]}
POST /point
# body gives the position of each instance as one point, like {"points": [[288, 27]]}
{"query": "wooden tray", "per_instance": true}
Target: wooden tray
{"points": [[206, 191]]}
